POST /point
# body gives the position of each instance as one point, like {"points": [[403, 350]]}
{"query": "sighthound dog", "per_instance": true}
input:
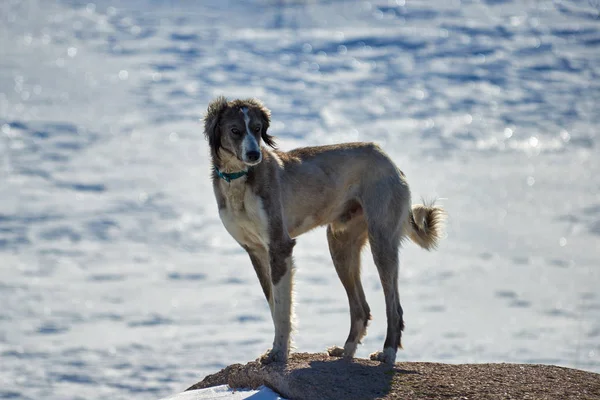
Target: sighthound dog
{"points": [[266, 198]]}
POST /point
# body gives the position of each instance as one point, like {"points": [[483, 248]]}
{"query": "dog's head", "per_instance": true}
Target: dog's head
{"points": [[237, 127]]}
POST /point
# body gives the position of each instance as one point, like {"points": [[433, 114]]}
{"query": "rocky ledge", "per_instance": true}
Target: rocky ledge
{"points": [[318, 376]]}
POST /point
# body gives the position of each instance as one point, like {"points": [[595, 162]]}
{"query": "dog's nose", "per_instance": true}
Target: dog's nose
{"points": [[253, 156]]}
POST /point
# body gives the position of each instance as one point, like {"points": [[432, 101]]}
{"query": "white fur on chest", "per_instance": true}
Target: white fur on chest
{"points": [[244, 216]]}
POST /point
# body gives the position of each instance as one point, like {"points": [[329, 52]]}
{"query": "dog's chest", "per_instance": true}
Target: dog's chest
{"points": [[244, 216]]}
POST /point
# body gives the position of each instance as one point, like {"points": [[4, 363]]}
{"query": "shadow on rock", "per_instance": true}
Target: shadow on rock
{"points": [[311, 376]]}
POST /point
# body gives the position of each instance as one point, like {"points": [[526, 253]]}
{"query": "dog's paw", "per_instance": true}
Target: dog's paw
{"points": [[273, 356], [335, 351], [346, 352], [388, 356]]}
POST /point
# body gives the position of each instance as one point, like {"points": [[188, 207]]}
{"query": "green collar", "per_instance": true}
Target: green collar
{"points": [[229, 177]]}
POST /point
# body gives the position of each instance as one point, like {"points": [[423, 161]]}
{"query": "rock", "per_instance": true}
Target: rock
{"points": [[318, 376]]}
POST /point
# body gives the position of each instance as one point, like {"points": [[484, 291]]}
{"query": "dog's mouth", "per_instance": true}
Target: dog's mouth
{"points": [[252, 158]]}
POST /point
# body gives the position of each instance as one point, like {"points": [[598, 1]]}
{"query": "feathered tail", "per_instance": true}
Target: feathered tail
{"points": [[426, 225]]}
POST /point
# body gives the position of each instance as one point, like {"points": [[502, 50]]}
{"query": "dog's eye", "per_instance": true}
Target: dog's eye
{"points": [[235, 131], [257, 129]]}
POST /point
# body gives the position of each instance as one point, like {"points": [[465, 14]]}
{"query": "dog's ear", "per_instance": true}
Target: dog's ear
{"points": [[266, 122], [211, 122]]}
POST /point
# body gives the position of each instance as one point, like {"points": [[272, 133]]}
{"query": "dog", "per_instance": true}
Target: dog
{"points": [[266, 198]]}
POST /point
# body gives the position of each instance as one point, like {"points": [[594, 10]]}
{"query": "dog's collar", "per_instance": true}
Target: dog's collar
{"points": [[230, 177]]}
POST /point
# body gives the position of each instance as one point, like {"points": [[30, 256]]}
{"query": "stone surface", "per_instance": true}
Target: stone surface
{"points": [[318, 376]]}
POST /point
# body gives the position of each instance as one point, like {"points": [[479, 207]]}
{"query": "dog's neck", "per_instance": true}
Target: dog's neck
{"points": [[228, 163]]}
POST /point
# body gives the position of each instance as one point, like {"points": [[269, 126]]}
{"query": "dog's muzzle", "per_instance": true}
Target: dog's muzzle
{"points": [[251, 151], [253, 156]]}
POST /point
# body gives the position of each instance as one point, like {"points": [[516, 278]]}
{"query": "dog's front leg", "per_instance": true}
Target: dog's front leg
{"points": [[260, 261], [280, 254]]}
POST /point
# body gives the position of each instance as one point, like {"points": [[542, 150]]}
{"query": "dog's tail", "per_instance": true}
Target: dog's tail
{"points": [[425, 225]]}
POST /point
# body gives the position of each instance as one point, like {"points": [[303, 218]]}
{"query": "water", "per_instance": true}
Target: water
{"points": [[117, 278]]}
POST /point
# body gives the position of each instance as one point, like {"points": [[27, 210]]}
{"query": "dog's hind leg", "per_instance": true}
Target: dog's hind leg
{"points": [[385, 254], [345, 247], [384, 213]]}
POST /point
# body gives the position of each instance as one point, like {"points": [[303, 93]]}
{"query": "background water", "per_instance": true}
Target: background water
{"points": [[116, 277]]}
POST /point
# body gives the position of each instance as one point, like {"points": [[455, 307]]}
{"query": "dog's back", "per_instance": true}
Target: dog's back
{"points": [[329, 184]]}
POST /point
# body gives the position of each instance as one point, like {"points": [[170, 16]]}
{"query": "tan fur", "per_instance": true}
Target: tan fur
{"points": [[426, 224], [353, 188]]}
